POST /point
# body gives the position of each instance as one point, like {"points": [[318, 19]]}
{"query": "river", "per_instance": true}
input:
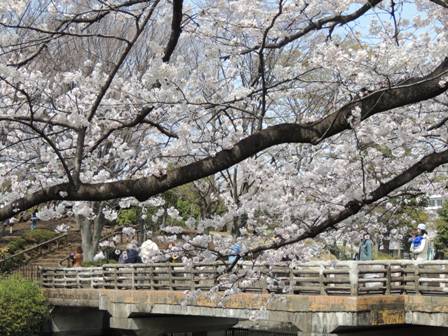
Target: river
{"points": [[398, 331]]}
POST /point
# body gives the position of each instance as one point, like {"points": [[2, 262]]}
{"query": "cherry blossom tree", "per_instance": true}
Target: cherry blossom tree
{"points": [[307, 113]]}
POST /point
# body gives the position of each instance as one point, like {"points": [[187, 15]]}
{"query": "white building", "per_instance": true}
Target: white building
{"points": [[435, 202]]}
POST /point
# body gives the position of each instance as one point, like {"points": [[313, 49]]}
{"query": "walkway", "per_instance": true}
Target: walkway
{"points": [[318, 278], [317, 298]]}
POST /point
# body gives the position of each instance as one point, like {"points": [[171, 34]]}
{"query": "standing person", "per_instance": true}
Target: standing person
{"points": [[77, 257], [235, 251], [34, 220], [5, 223], [11, 225], [420, 244], [365, 249]]}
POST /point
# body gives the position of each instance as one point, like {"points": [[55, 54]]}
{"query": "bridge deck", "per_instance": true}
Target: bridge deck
{"points": [[319, 297]]}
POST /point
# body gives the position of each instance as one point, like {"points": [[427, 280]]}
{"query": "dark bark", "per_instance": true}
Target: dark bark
{"points": [[426, 164], [409, 92], [176, 30]]}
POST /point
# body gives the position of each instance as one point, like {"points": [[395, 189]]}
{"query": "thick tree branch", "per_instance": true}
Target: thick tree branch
{"points": [[176, 30], [412, 91], [443, 3], [426, 164]]}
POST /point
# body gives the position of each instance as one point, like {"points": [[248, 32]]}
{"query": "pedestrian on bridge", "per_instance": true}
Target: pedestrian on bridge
{"points": [[77, 257], [421, 245], [365, 248]]}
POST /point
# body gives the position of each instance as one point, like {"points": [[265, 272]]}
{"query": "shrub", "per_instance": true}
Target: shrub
{"points": [[16, 245], [39, 235], [127, 216], [7, 266], [23, 307]]}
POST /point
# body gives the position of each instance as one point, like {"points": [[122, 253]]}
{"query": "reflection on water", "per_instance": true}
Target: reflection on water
{"points": [[399, 331]]}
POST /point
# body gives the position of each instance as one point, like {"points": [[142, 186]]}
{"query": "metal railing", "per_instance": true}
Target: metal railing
{"points": [[316, 278]]}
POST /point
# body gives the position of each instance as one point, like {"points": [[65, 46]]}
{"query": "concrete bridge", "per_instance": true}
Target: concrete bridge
{"points": [[311, 298]]}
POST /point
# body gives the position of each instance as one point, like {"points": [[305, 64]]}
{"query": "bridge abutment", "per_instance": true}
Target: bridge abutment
{"points": [[73, 321], [143, 322], [155, 312], [160, 325]]}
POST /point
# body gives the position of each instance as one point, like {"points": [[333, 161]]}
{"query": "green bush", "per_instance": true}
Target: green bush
{"points": [[127, 216], [16, 245], [23, 307], [9, 265], [39, 235]]}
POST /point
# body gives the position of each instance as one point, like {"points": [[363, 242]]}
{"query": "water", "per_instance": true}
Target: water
{"points": [[398, 331]]}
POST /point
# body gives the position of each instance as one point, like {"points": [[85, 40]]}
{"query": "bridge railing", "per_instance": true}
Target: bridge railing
{"points": [[316, 278]]}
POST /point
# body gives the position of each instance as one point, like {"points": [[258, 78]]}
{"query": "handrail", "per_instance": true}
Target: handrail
{"points": [[35, 247], [39, 247], [315, 278]]}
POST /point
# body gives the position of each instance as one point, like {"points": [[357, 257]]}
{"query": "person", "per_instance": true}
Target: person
{"points": [[11, 225], [132, 254], [123, 257], [77, 257], [420, 244], [34, 220], [5, 224], [235, 250], [365, 248]]}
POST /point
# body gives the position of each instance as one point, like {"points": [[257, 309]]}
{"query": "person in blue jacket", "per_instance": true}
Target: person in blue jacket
{"points": [[365, 249], [235, 250]]}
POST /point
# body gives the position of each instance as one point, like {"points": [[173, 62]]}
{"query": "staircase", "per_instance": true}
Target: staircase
{"points": [[53, 259], [49, 256], [56, 258]]}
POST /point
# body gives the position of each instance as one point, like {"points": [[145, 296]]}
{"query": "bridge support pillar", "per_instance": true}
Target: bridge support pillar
{"points": [[158, 326], [323, 324], [140, 320], [83, 321]]}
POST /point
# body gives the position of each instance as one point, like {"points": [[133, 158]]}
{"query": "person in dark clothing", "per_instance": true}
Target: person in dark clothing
{"points": [[133, 257], [130, 256], [34, 220]]}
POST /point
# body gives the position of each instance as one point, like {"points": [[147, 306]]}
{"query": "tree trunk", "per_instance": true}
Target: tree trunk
{"points": [[91, 232], [141, 230]]}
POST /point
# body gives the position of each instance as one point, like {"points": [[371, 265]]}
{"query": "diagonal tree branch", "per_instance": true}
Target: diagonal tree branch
{"points": [[443, 3], [413, 91], [426, 164]]}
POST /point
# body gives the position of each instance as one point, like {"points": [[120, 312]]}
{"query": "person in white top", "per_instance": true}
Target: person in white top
{"points": [[420, 244]]}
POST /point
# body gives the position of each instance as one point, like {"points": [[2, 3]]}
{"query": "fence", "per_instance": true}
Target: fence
{"points": [[319, 278]]}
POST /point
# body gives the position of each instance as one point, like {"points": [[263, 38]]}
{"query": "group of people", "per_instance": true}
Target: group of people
{"points": [[9, 222], [420, 249]]}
